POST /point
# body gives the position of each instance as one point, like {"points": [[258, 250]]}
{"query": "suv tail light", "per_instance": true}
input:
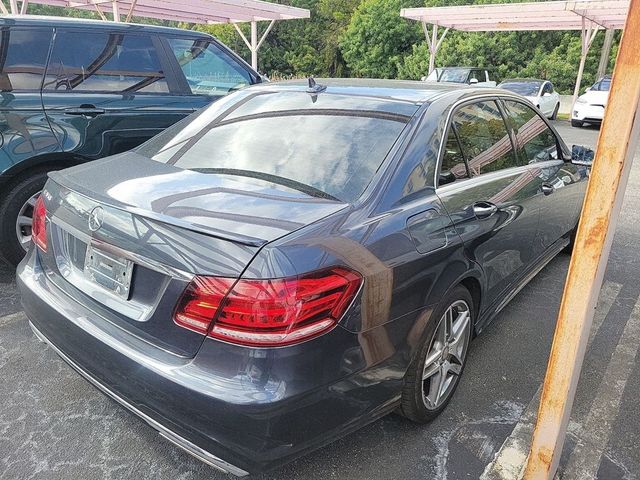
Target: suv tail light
{"points": [[39, 225], [270, 312]]}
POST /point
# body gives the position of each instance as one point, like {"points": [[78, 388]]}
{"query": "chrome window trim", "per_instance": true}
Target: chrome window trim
{"points": [[484, 178]]}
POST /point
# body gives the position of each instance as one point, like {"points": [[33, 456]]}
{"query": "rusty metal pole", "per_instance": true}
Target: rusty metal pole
{"points": [[616, 147]]}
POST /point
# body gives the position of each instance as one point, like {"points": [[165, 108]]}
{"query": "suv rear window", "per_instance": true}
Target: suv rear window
{"points": [[326, 152], [23, 55], [104, 62]]}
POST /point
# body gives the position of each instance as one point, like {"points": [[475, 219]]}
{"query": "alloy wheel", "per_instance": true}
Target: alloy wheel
{"points": [[446, 355], [25, 221]]}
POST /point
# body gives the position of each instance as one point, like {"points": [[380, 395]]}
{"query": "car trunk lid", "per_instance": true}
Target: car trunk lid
{"points": [[128, 234]]}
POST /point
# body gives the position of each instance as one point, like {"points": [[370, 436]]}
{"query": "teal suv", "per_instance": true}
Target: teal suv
{"points": [[78, 90]]}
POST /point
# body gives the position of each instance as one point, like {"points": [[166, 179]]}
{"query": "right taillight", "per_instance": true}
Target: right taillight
{"points": [[39, 225], [267, 313]]}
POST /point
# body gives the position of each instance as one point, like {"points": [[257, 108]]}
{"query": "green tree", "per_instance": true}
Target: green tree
{"points": [[377, 38], [297, 47], [369, 38]]}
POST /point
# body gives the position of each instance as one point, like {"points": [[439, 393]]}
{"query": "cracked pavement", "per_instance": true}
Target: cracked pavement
{"points": [[55, 425]]}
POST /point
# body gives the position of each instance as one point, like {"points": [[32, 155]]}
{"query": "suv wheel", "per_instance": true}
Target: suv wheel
{"points": [[434, 376], [576, 123], [16, 214]]}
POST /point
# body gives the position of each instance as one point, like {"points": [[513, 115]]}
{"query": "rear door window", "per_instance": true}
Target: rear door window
{"points": [[484, 138], [477, 75], [454, 75], [535, 140], [454, 166], [208, 69], [105, 62], [23, 56], [604, 85]]}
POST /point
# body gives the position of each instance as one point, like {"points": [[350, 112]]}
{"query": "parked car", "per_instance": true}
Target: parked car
{"points": [[539, 92], [469, 75], [589, 107], [76, 90], [294, 262]]}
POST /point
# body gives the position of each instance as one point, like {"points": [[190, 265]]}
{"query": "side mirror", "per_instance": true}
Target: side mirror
{"points": [[445, 178], [582, 155], [473, 81], [546, 94]]}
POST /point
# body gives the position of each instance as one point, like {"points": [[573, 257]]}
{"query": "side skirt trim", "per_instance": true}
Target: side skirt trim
{"points": [[553, 251]]}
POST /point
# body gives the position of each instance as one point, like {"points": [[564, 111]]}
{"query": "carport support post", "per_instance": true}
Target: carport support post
{"points": [[434, 42], [14, 7], [588, 34], [116, 11], [616, 147], [604, 54], [255, 44]]}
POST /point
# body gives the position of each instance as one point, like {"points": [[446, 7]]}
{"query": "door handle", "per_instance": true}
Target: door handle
{"points": [[484, 209], [86, 110], [547, 189]]}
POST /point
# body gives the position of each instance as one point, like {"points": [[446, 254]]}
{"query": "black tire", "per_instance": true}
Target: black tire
{"points": [[554, 115], [12, 201], [576, 123], [413, 403]]}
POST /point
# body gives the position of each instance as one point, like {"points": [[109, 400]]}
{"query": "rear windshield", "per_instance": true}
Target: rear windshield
{"points": [[527, 89], [454, 76], [305, 142], [603, 85]]}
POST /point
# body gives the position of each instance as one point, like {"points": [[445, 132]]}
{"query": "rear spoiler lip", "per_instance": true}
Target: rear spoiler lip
{"points": [[166, 219]]}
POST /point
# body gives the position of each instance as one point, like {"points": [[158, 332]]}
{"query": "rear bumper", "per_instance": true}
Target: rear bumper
{"points": [[587, 113], [238, 409], [165, 432]]}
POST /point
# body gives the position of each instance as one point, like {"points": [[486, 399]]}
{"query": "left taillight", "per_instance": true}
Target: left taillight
{"points": [[267, 313], [39, 225]]}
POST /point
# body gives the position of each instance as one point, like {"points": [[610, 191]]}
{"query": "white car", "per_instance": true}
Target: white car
{"points": [[539, 92], [478, 77], [589, 108]]}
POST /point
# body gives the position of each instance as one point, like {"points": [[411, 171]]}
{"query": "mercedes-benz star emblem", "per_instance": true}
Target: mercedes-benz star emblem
{"points": [[95, 218]]}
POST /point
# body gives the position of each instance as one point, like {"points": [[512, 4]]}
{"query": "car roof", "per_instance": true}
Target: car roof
{"points": [[524, 80], [416, 92], [462, 68], [51, 21]]}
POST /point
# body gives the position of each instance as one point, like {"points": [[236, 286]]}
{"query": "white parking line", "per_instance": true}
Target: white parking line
{"points": [[511, 457], [594, 435]]}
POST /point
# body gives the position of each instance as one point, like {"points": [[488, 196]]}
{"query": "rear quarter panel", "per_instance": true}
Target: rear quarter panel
{"points": [[24, 129]]}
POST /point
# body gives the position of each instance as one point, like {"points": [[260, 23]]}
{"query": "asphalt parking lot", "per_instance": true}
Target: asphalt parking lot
{"points": [[55, 425]]}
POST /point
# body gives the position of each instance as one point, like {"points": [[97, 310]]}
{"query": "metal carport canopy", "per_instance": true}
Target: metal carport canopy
{"points": [[190, 11], [588, 16]]}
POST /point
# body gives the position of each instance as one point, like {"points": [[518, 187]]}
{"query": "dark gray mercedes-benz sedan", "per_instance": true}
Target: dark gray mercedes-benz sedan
{"points": [[297, 260]]}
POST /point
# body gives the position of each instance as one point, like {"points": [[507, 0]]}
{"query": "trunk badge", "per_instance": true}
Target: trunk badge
{"points": [[96, 218]]}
